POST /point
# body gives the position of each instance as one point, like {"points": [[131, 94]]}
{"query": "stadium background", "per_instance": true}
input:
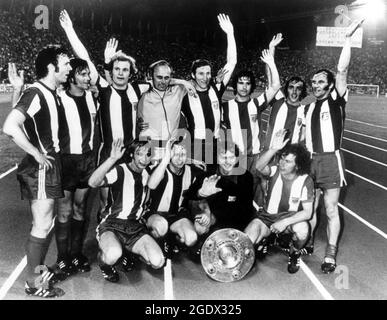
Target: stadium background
{"points": [[178, 36]]}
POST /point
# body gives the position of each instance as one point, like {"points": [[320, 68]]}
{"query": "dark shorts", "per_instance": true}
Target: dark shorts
{"points": [[76, 170], [40, 184], [171, 217], [128, 232], [328, 169], [268, 219]]}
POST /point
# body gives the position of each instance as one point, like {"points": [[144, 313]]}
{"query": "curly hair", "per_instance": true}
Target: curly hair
{"points": [[303, 94], [302, 155], [244, 74]]}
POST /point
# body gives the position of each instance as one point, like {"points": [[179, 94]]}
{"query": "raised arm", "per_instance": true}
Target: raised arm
{"points": [[271, 91], [273, 43], [16, 79], [78, 47], [227, 27], [277, 144], [97, 178], [345, 57], [158, 174]]}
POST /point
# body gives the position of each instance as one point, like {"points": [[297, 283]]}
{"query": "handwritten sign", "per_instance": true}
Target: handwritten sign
{"points": [[335, 37]]}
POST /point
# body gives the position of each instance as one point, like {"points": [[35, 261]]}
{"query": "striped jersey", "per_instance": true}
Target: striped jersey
{"points": [[39, 104], [78, 131], [127, 192], [324, 122], [284, 116], [287, 196], [168, 195], [244, 120], [118, 111], [203, 112]]}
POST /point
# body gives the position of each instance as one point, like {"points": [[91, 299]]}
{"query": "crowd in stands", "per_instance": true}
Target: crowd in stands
{"points": [[20, 42]]}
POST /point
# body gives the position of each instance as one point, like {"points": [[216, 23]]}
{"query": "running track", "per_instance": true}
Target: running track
{"points": [[361, 272]]}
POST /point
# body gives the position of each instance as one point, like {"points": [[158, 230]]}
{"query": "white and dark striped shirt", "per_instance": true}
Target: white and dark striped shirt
{"points": [[244, 120], [204, 111], [127, 192], [324, 122], [284, 116], [40, 105], [76, 135], [168, 195], [284, 195], [118, 111]]}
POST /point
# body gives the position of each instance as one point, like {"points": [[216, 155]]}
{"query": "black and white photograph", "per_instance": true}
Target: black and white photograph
{"points": [[193, 155]]}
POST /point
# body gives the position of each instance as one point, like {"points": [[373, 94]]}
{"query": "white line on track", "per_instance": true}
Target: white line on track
{"points": [[324, 292], [8, 172], [369, 225], [12, 278], [368, 180], [16, 273], [365, 135], [368, 124], [168, 284], [364, 157], [365, 144]]}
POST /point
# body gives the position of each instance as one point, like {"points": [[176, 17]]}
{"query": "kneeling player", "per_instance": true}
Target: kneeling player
{"points": [[122, 227], [226, 194], [289, 199], [166, 218]]}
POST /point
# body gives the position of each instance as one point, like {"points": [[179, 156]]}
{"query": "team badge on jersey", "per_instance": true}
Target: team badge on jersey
{"points": [[325, 116], [299, 122], [294, 199], [231, 198], [215, 105], [254, 117]]}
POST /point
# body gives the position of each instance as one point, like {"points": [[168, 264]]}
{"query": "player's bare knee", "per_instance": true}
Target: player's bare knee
{"points": [[112, 254], [157, 260], [190, 238], [301, 230]]}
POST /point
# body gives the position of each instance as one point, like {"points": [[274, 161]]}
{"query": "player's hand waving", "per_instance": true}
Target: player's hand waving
{"points": [[353, 27], [225, 23], [220, 75], [209, 186], [278, 141], [110, 50], [65, 20], [118, 149], [15, 78], [267, 57], [275, 42]]}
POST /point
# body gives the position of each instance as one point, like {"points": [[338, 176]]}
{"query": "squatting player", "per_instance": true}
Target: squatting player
{"points": [[324, 120], [122, 227], [289, 200], [165, 216]]}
